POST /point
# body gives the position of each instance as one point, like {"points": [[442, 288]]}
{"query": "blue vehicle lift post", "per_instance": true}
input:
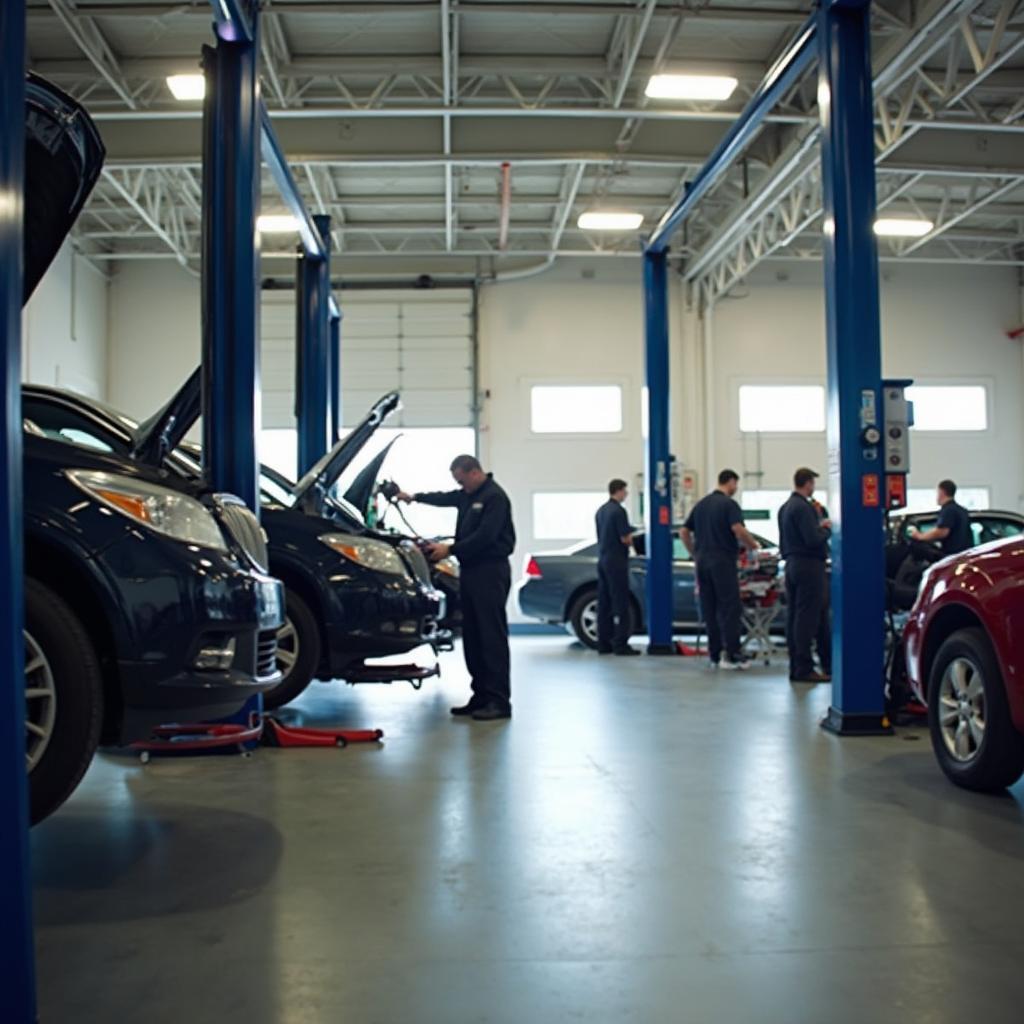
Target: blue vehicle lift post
{"points": [[837, 35], [230, 298], [335, 379], [658, 470], [854, 367], [313, 359], [19, 998]]}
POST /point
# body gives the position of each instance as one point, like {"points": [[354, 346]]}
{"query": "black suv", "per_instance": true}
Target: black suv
{"points": [[147, 597], [352, 593]]}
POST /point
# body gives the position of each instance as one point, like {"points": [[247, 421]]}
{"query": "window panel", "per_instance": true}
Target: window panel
{"points": [[782, 409], [949, 407], [587, 409], [566, 515]]}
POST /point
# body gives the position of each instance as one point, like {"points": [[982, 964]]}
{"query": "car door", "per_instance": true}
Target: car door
{"points": [[684, 585]]}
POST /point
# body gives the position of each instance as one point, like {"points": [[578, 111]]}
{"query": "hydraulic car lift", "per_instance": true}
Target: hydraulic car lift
{"points": [[265, 730]]}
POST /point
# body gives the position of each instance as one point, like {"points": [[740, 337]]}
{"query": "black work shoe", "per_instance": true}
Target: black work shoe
{"points": [[466, 709], [627, 652], [605, 650], [491, 713]]}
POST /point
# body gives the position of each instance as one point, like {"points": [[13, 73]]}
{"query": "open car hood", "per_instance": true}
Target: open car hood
{"points": [[63, 159], [312, 489], [158, 436], [360, 492]]}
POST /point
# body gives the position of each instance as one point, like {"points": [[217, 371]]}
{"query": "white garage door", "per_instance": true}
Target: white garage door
{"points": [[417, 343]]}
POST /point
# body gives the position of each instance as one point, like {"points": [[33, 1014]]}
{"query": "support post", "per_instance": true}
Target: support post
{"points": [[335, 396], [19, 999], [230, 296], [658, 472], [854, 369], [312, 351]]}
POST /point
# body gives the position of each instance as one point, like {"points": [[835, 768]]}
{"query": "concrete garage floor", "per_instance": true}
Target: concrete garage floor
{"points": [[646, 842]]}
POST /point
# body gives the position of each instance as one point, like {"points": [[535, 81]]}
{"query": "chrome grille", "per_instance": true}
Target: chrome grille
{"points": [[243, 528], [416, 561], [266, 654]]}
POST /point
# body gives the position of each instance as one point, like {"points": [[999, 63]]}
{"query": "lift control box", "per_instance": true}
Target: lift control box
{"points": [[898, 418]]}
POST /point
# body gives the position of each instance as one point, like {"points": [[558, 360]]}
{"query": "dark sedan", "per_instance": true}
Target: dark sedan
{"points": [[352, 593], [561, 589], [146, 595]]}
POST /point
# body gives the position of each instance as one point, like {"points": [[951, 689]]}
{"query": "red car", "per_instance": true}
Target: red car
{"points": [[965, 659]]}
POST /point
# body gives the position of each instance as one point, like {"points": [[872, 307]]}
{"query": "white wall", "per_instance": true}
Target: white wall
{"points": [[561, 328], [154, 334], [65, 327], [939, 325]]}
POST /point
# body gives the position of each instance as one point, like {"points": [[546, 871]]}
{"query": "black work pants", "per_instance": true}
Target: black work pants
{"points": [[484, 593], [823, 640], [613, 612], [719, 584], [805, 607]]}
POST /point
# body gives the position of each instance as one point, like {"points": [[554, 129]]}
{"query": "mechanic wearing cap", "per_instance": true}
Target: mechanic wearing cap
{"points": [[484, 540], [953, 529], [804, 537], [614, 541], [714, 532]]}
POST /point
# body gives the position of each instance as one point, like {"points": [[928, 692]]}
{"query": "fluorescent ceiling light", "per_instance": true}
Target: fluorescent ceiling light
{"points": [[691, 87], [187, 87], [610, 220], [902, 227], [276, 223]]}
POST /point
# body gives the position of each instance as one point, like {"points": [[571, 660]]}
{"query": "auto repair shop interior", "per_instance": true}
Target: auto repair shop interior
{"points": [[269, 267]]}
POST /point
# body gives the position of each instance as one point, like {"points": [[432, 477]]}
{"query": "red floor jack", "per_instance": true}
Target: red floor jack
{"points": [[196, 737]]}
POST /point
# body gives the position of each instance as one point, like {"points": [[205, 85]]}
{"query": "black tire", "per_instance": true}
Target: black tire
{"points": [[60, 657], [584, 611], [965, 682], [301, 628]]}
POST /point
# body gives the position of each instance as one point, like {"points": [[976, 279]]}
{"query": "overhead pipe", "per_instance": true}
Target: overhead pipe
{"points": [[505, 213], [781, 77]]}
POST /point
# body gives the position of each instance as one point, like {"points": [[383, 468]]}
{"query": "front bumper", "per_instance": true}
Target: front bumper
{"points": [[374, 619], [178, 602]]}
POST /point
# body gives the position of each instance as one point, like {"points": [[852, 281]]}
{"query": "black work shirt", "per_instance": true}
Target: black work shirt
{"points": [[801, 534], [711, 521], [957, 520], [612, 527], [484, 532]]}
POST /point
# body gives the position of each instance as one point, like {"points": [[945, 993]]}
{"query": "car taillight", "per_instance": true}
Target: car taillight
{"points": [[533, 569]]}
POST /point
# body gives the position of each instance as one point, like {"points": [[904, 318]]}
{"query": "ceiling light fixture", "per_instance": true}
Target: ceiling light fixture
{"points": [[902, 227], [609, 220], [187, 87], [690, 87], [276, 223]]}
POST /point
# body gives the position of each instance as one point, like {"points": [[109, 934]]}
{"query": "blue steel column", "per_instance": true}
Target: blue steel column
{"points": [[335, 343], [231, 197], [18, 997], [854, 368], [312, 350], [659, 497]]}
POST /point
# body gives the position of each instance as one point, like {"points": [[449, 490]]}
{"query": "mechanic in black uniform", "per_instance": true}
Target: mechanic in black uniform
{"points": [[713, 532], [484, 540], [614, 540], [953, 529], [804, 538]]}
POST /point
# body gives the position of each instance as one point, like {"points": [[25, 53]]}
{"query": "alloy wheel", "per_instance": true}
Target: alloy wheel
{"points": [[40, 702], [588, 620], [287, 646], [962, 709]]}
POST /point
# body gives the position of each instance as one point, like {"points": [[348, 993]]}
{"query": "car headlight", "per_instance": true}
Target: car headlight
{"points": [[158, 508], [448, 566], [371, 554]]}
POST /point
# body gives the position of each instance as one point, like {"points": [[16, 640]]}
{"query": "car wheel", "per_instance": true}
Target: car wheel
{"points": [[583, 619], [63, 700], [298, 652], [973, 736]]}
